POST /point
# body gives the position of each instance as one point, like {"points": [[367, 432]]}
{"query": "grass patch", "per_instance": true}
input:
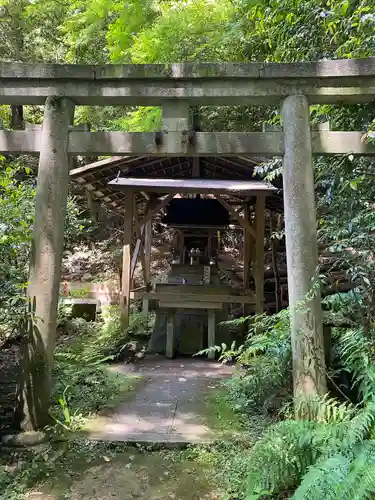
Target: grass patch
{"points": [[50, 464], [82, 383], [81, 392], [225, 463], [220, 415], [82, 469]]}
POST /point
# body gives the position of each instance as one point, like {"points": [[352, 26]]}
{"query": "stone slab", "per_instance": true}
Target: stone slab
{"points": [[168, 406], [310, 69], [324, 142]]}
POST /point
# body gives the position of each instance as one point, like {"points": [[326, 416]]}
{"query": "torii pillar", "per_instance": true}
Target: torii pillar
{"points": [[302, 251], [45, 263]]}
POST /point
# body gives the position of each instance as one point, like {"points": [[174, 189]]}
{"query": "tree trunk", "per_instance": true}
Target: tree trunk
{"points": [[45, 264]]}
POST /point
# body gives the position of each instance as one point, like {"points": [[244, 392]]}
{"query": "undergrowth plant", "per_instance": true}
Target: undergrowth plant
{"points": [[329, 452], [264, 381], [82, 383], [330, 455]]}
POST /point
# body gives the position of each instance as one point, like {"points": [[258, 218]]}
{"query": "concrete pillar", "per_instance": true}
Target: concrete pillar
{"points": [[302, 253], [176, 116], [45, 261], [171, 334], [211, 328]]}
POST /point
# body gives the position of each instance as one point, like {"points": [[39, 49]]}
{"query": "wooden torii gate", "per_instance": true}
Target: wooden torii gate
{"points": [[175, 88]]}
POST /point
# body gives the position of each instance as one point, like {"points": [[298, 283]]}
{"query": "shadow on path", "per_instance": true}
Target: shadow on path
{"points": [[167, 407]]}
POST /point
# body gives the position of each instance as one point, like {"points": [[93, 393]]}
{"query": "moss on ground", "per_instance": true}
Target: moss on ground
{"points": [[87, 470], [220, 416], [83, 470]]}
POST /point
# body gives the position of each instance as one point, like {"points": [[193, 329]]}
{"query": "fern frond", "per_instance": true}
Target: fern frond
{"points": [[349, 475], [359, 427], [363, 487], [356, 352], [281, 457], [325, 452], [322, 480], [325, 409]]}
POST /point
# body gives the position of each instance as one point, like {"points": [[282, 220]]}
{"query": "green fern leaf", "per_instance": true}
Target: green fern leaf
{"points": [[323, 479]]}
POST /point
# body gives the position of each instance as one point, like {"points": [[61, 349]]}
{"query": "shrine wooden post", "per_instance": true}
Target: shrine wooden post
{"points": [[147, 263], [126, 259], [260, 214]]}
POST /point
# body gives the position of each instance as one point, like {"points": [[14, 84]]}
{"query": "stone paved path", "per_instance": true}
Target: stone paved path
{"points": [[167, 405]]}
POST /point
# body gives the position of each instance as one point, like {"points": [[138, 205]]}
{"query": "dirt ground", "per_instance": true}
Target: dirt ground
{"points": [[135, 475]]}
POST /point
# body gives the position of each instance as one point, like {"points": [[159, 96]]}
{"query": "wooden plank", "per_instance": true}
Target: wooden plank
{"points": [[211, 329], [147, 218], [241, 219], [137, 248], [91, 205], [98, 166], [177, 185], [126, 260], [274, 247], [195, 297], [194, 289], [209, 244], [260, 213], [178, 304], [196, 167], [150, 214], [147, 250], [170, 340], [247, 240]]}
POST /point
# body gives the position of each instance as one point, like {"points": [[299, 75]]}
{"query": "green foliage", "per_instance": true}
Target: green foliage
{"points": [[264, 380], [16, 218], [356, 353], [285, 453], [17, 199], [347, 475], [182, 33], [93, 343], [331, 449], [81, 391], [82, 383]]}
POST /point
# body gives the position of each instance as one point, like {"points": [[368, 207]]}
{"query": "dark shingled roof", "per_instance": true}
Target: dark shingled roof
{"points": [[96, 176]]}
